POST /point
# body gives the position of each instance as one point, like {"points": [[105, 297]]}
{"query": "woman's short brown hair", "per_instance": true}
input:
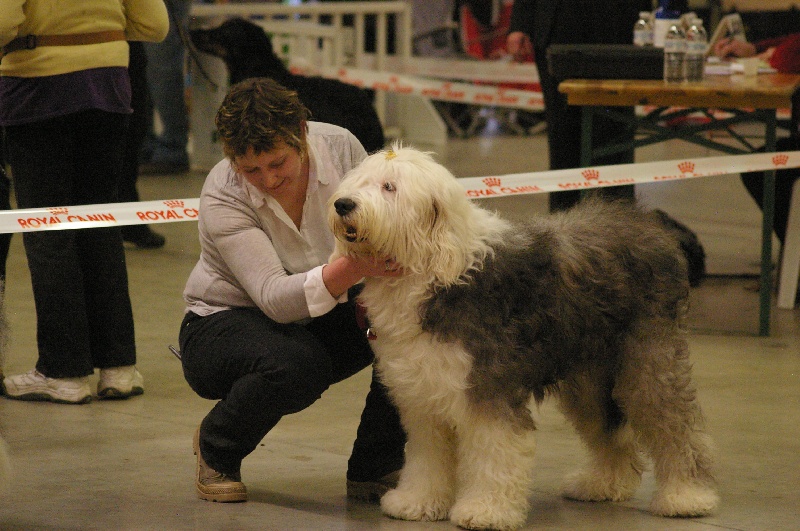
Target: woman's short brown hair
{"points": [[260, 113]]}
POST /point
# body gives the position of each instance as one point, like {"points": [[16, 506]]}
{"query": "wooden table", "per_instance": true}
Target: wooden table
{"points": [[743, 99], [760, 5]]}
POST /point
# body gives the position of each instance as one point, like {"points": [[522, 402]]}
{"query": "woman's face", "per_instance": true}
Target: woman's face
{"points": [[278, 172]]}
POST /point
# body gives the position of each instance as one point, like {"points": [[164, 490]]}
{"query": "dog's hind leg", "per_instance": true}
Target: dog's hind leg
{"points": [[495, 469], [615, 468], [427, 481], [658, 395]]}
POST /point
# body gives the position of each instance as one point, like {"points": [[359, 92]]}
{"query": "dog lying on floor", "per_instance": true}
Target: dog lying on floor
{"points": [[586, 305], [247, 52]]}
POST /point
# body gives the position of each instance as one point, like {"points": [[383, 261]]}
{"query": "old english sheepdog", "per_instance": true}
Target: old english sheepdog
{"points": [[586, 305]]}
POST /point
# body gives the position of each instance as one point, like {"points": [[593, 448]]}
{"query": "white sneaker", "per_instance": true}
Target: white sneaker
{"points": [[120, 382], [34, 385]]}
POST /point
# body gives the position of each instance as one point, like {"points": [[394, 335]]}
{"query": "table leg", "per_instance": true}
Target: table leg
{"points": [[587, 112], [768, 215]]}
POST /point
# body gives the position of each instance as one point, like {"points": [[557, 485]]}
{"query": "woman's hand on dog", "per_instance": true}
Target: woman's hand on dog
{"points": [[344, 272]]}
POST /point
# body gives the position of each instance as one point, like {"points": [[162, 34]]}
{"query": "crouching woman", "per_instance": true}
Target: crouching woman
{"points": [[269, 325]]}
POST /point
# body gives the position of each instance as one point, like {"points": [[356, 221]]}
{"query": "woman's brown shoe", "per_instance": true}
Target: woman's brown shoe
{"points": [[216, 486], [372, 491]]}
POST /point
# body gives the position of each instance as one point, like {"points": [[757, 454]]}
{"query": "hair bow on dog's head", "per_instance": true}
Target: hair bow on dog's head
{"points": [[390, 155]]}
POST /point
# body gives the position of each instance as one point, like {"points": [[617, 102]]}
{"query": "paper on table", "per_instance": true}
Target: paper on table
{"points": [[726, 68]]}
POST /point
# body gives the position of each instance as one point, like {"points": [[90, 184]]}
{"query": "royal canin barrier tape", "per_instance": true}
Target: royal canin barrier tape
{"points": [[486, 95], [465, 70], [489, 71], [94, 216], [441, 90], [172, 210]]}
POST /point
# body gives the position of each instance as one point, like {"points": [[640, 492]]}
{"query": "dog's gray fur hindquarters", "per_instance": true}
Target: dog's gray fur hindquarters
{"points": [[611, 268], [587, 305]]}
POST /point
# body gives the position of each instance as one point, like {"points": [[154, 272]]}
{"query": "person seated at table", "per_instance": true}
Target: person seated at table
{"points": [[782, 54]]}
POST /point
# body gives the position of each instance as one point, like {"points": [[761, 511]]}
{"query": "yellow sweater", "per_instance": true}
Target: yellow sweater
{"points": [[142, 20]]}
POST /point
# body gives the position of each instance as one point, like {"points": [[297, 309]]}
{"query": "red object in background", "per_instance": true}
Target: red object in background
{"points": [[489, 42], [786, 57]]}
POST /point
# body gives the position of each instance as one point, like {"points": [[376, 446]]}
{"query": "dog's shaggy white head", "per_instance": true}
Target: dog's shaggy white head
{"points": [[401, 204]]}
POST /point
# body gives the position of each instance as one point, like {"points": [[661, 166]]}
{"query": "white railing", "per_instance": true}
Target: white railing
{"points": [[317, 45], [300, 38], [299, 35], [335, 11]]}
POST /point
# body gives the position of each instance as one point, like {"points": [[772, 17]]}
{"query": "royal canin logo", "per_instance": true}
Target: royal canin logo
{"points": [[591, 175], [686, 167], [780, 160], [58, 211], [491, 181], [173, 203]]}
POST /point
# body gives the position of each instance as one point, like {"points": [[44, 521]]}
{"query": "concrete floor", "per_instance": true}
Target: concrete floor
{"points": [[128, 465]]}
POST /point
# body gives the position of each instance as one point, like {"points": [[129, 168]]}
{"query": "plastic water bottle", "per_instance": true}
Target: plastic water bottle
{"points": [[674, 52], [643, 30], [696, 43], [665, 18]]}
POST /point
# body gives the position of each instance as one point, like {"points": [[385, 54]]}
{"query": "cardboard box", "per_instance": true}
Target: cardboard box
{"points": [[605, 61]]}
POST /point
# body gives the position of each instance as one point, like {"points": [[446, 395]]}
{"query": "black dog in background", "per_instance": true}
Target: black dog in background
{"points": [[247, 52]]}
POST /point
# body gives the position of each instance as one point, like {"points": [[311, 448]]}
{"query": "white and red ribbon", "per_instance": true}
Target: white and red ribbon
{"points": [[441, 87], [622, 174], [436, 89], [93, 216], [173, 210]]}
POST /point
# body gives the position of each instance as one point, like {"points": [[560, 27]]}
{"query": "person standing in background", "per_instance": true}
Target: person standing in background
{"points": [[5, 239], [535, 25], [65, 97], [142, 236], [5, 246], [166, 153]]}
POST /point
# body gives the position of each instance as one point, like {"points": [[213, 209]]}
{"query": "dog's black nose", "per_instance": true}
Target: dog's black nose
{"points": [[344, 206]]}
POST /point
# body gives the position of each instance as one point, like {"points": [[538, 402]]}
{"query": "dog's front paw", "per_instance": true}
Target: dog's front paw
{"points": [[601, 485], [685, 500], [489, 513], [406, 505]]}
